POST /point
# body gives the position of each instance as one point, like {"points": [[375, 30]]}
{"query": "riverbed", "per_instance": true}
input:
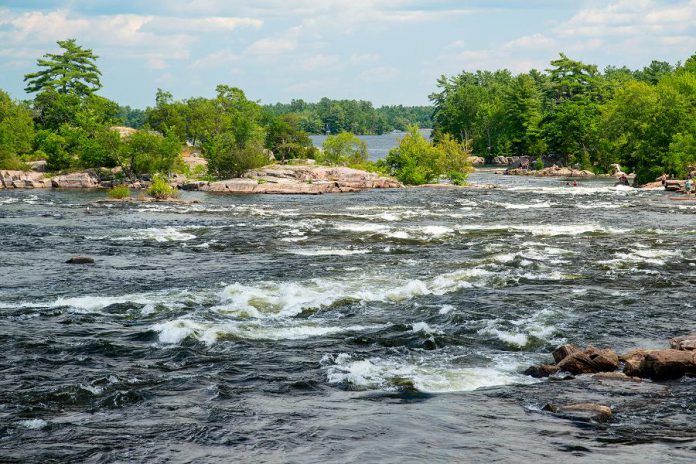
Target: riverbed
{"points": [[382, 326]]}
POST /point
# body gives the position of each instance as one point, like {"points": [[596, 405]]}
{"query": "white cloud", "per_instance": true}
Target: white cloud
{"points": [[536, 41]]}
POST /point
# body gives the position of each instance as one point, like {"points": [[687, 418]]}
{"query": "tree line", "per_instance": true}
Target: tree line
{"points": [[573, 114], [356, 116]]}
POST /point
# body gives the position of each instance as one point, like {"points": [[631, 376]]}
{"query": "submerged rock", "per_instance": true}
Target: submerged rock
{"points": [[80, 260], [582, 411]]}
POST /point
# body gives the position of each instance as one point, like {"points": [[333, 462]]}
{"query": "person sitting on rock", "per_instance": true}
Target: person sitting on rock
{"points": [[688, 185]]}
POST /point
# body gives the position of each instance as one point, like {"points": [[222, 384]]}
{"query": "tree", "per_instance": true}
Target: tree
{"points": [[72, 72], [285, 137], [415, 160], [227, 159], [146, 152], [16, 131], [344, 149], [523, 106]]}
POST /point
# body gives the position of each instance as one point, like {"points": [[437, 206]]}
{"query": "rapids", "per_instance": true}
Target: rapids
{"points": [[385, 326]]}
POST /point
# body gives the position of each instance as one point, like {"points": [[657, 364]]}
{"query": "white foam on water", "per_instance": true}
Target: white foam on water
{"points": [[8, 201], [93, 389], [33, 424], [537, 325], [166, 234], [536, 205], [362, 227], [329, 252], [424, 328], [543, 229], [433, 376], [643, 255], [446, 309], [174, 332], [287, 299]]}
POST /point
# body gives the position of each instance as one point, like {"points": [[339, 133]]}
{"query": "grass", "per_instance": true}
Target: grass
{"points": [[119, 192]]}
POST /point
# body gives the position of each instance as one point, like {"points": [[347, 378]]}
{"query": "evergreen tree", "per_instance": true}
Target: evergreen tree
{"points": [[72, 72]]}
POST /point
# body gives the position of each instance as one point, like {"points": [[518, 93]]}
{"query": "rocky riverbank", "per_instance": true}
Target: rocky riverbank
{"points": [[309, 180], [275, 179]]}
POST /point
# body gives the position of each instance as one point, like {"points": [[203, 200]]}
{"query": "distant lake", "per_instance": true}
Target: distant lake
{"points": [[377, 145]]}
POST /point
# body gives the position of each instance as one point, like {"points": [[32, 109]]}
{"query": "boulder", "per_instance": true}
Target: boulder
{"points": [[18, 184], [684, 343], [674, 185], [76, 180], [80, 260], [38, 166], [541, 371], [590, 361], [477, 160], [582, 411], [563, 351], [500, 161], [632, 361], [668, 364]]}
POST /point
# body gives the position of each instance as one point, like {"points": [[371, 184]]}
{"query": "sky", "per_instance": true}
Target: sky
{"points": [[385, 51]]}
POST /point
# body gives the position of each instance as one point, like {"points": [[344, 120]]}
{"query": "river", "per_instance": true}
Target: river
{"points": [[378, 146], [384, 326]]}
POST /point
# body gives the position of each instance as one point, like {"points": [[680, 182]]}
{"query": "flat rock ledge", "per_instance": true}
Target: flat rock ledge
{"points": [[553, 171], [303, 180], [657, 364]]}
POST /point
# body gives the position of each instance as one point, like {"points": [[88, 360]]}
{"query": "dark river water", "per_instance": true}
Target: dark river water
{"points": [[385, 326]]}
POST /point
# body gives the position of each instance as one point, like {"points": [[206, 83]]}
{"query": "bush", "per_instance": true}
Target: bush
{"points": [[343, 149], [160, 188], [146, 152], [227, 159], [456, 177], [415, 160], [119, 192], [538, 164], [9, 160]]}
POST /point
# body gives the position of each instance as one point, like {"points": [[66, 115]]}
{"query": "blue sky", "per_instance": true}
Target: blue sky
{"points": [[386, 51]]}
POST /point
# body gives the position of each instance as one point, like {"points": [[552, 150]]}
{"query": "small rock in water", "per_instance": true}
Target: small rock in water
{"points": [[590, 361], [543, 370], [80, 260], [582, 411], [684, 343]]}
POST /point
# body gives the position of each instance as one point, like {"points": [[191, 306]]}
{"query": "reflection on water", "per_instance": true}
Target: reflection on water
{"points": [[382, 326]]}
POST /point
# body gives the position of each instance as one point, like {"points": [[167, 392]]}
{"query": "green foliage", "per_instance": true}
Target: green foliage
{"points": [[415, 160], [343, 149], [55, 147], [160, 188], [118, 192], [285, 138], [131, 117], [539, 164], [574, 114], [226, 159], [454, 158], [72, 72], [356, 116], [145, 152], [16, 132]]}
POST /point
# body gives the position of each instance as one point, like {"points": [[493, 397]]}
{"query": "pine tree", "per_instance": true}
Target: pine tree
{"points": [[73, 71]]}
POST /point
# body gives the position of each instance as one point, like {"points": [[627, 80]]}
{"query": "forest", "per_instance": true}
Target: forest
{"points": [[573, 114]]}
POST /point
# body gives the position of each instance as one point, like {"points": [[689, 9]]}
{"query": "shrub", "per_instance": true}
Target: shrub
{"points": [[119, 192], [146, 152], [538, 164], [9, 160], [160, 188], [415, 160], [343, 149], [227, 159]]}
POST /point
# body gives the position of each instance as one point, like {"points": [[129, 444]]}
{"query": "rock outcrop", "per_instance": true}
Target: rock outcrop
{"points": [[307, 180], [76, 180], [553, 171], [23, 179], [477, 160], [656, 364]]}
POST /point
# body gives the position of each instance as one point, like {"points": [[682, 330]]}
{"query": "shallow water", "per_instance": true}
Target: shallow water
{"points": [[385, 326]]}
